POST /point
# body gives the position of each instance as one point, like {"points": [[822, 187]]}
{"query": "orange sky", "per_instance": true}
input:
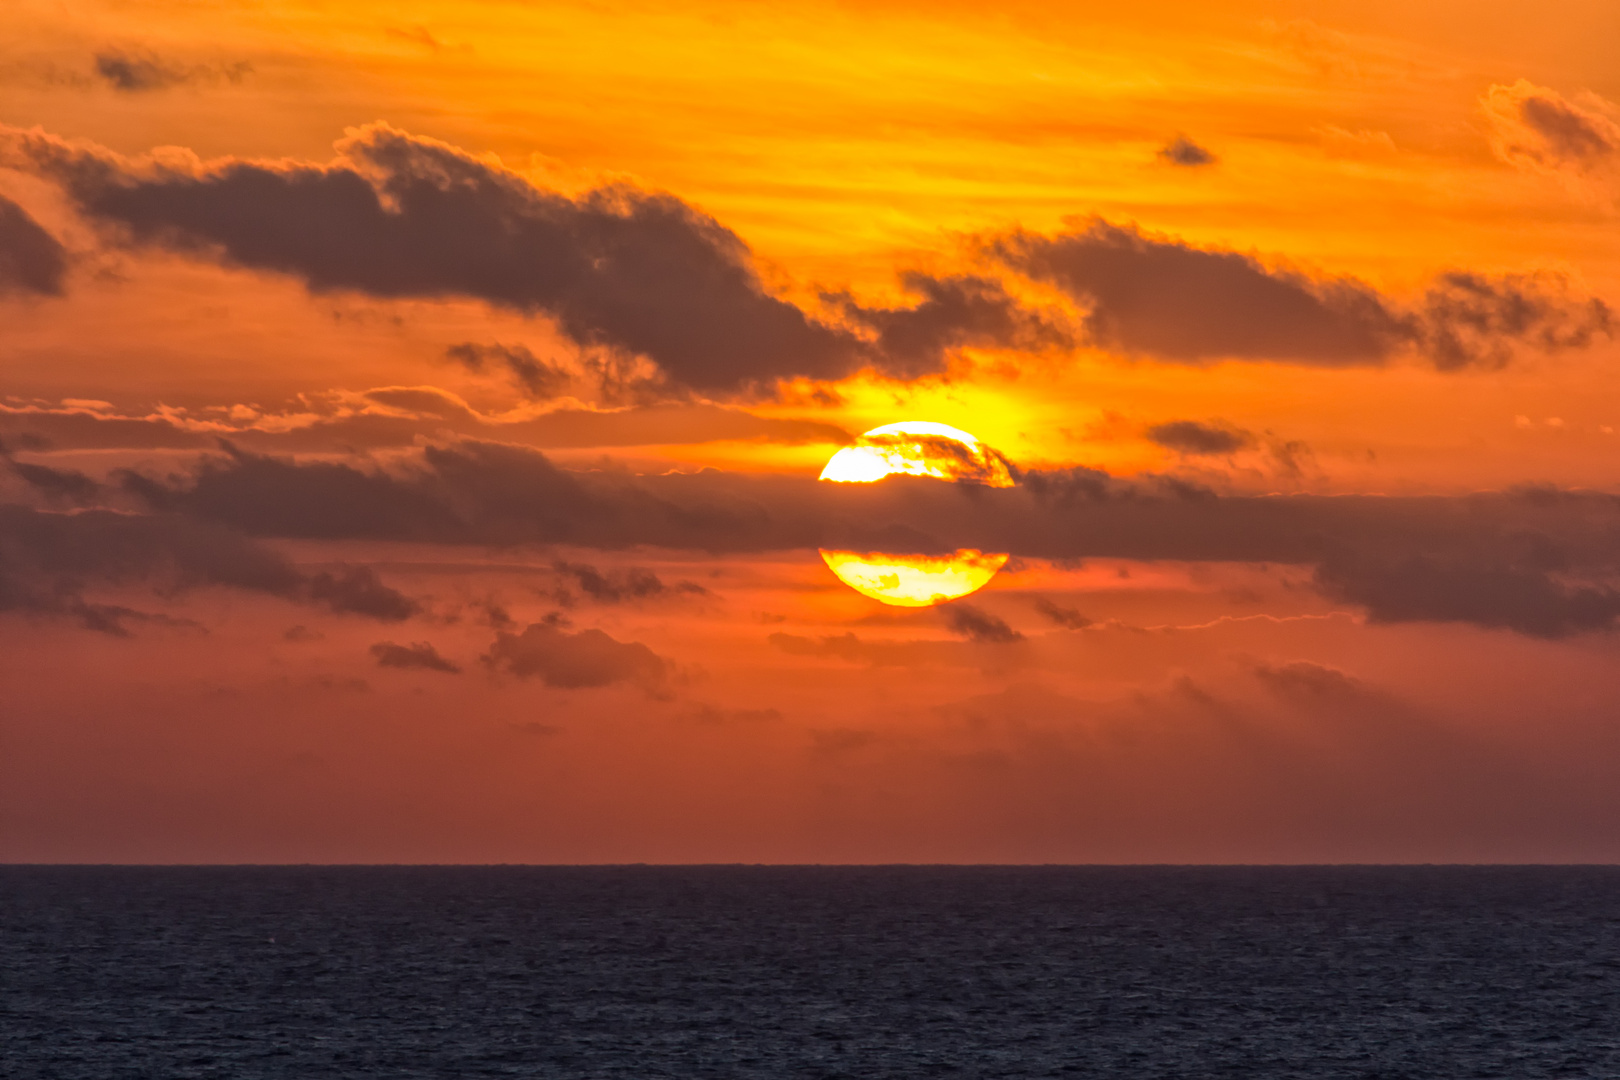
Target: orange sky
{"points": [[463, 284]]}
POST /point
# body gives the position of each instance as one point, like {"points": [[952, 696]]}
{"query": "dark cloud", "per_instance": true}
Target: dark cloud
{"points": [[538, 378], [56, 485], [1511, 595], [587, 659], [1568, 131], [31, 259], [400, 216], [1068, 618], [1167, 299], [479, 493], [624, 272], [1184, 152], [1192, 437], [978, 626], [618, 586], [50, 561], [1544, 547], [1307, 681], [952, 313], [356, 590], [138, 71], [1467, 320], [1535, 127], [417, 656]]}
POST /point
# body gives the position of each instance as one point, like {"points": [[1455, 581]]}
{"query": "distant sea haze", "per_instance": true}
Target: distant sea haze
{"points": [[1338, 973]]}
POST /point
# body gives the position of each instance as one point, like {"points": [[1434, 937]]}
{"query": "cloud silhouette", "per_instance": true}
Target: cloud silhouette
{"points": [[574, 661], [417, 656], [979, 626], [134, 71], [1184, 152], [1533, 127], [1163, 298], [50, 561], [1192, 437], [1068, 618]]}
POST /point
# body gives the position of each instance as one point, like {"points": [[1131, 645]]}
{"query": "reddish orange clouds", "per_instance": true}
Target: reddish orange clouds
{"points": [[411, 413]]}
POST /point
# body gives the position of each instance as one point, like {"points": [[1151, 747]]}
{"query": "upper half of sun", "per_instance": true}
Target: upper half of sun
{"points": [[918, 448]]}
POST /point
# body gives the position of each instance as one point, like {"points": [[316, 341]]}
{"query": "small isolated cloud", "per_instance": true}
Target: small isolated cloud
{"points": [[1193, 438], [568, 661], [1533, 127], [31, 259], [134, 71], [418, 656], [1184, 152], [1068, 618], [1305, 679], [618, 586], [356, 590], [978, 626]]}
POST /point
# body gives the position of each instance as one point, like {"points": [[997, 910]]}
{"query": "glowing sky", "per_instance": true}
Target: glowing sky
{"points": [[412, 413]]}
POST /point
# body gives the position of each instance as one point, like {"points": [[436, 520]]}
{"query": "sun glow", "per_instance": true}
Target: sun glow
{"points": [[914, 580], [916, 448]]}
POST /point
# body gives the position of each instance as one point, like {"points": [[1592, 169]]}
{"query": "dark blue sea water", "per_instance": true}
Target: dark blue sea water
{"points": [[310, 972]]}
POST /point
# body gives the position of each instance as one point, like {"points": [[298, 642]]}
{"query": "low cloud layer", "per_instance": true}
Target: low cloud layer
{"points": [[1538, 561], [54, 563]]}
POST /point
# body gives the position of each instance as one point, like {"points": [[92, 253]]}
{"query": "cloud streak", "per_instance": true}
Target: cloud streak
{"points": [[136, 71]]}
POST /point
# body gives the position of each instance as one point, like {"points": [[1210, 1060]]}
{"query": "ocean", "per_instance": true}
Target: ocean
{"points": [[1371, 973]]}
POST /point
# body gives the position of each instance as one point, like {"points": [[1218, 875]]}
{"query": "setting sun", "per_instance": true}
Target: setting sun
{"points": [[916, 448]]}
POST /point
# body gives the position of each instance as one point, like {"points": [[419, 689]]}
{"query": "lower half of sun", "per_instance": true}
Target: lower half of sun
{"points": [[916, 448]]}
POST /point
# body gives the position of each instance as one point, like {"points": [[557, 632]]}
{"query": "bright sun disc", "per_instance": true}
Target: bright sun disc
{"points": [[916, 448]]}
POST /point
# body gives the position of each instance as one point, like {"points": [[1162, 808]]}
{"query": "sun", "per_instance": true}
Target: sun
{"points": [[916, 448]]}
